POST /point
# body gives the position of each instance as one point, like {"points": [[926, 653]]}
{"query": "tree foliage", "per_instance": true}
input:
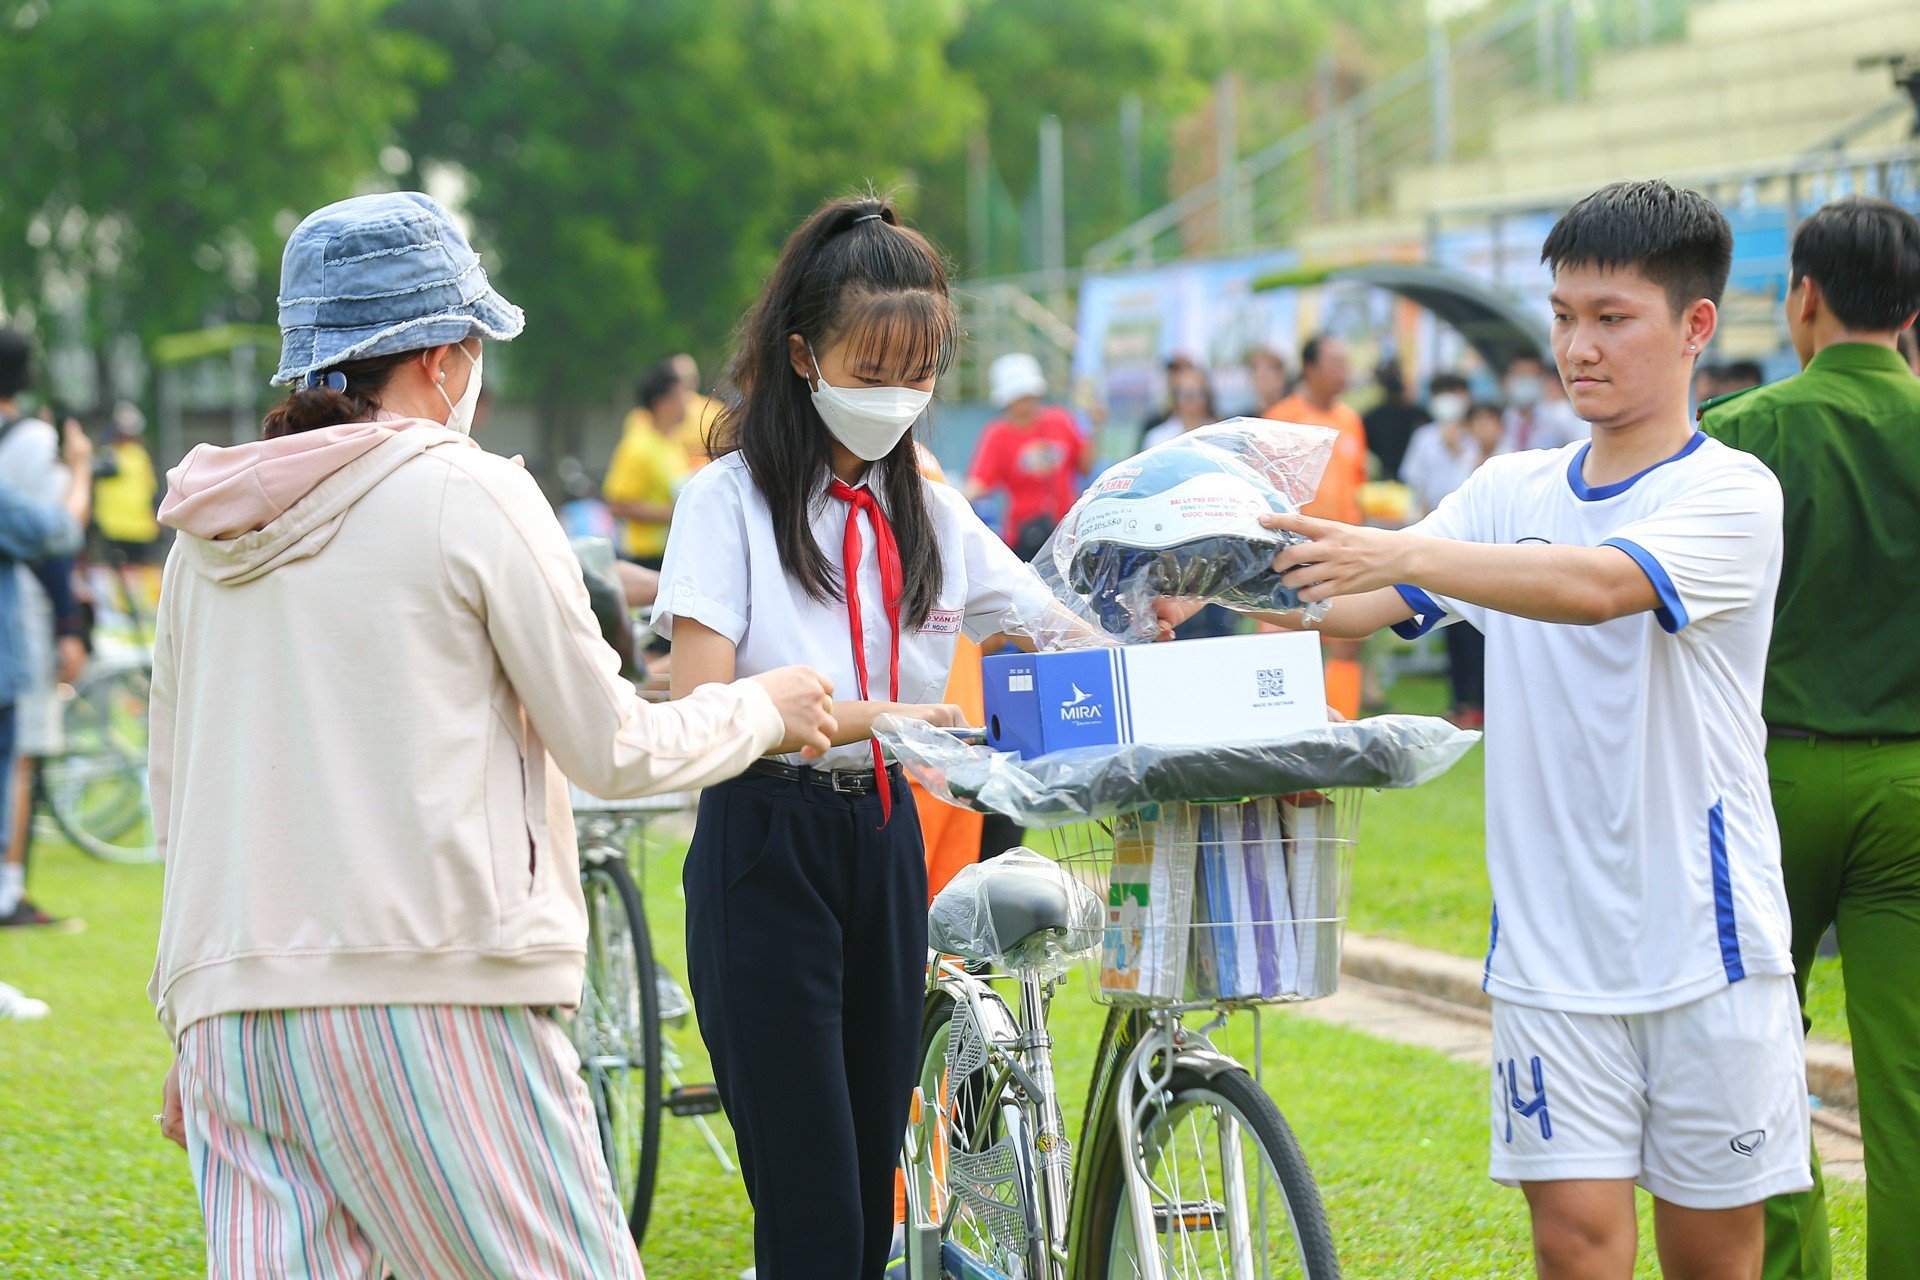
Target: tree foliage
{"points": [[154, 153], [630, 166], [635, 166]]}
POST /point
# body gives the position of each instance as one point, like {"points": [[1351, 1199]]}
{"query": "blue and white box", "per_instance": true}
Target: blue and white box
{"points": [[1182, 693]]}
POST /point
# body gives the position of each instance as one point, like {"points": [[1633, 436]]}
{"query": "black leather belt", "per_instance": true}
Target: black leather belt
{"points": [[843, 782]]}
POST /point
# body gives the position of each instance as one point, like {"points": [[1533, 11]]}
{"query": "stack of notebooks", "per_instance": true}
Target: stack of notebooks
{"points": [[1224, 902]]}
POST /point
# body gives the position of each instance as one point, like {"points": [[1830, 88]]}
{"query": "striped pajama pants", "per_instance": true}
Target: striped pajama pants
{"points": [[444, 1142]]}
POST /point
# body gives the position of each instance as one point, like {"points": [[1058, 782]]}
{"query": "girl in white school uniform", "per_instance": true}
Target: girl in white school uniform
{"points": [[813, 538]]}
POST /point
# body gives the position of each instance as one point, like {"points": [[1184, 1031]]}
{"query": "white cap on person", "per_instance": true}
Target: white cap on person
{"points": [[1014, 377]]}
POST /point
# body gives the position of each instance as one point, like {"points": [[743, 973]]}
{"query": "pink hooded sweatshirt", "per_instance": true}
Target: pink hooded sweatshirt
{"points": [[375, 668]]}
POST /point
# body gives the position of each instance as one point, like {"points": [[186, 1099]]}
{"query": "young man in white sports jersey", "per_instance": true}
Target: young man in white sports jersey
{"points": [[1645, 1029]]}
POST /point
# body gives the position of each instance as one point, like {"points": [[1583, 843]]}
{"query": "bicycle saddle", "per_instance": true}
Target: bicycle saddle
{"points": [[1014, 911]]}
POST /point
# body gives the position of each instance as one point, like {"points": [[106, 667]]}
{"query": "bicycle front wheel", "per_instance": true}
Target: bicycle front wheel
{"points": [[1229, 1190], [617, 1033]]}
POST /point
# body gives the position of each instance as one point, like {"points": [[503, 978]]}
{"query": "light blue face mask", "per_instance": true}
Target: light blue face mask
{"points": [[869, 421]]}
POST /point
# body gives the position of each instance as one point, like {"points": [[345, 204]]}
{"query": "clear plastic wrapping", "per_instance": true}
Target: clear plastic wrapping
{"points": [[1181, 519], [1099, 782], [1018, 912]]}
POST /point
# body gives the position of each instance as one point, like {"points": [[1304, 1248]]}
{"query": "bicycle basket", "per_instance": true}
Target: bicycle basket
{"points": [[1019, 912], [1220, 904]]}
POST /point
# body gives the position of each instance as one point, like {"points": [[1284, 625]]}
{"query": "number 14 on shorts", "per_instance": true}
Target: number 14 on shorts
{"points": [[1532, 1108]]}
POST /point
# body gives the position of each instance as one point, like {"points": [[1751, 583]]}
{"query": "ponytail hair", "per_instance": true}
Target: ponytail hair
{"points": [[354, 397], [854, 272]]}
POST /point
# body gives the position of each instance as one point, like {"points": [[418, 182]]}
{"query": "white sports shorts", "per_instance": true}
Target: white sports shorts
{"points": [[1704, 1105]]}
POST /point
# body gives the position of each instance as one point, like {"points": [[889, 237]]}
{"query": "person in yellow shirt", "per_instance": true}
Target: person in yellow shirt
{"points": [[696, 431], [649, 465], [1324, 374], [123, 501]]}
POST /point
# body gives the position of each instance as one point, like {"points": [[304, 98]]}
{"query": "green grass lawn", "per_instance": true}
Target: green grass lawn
{"points": [[1397, 1136]]}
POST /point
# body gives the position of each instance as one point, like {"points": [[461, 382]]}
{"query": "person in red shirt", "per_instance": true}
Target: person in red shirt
{"points": [[1033, 452]]}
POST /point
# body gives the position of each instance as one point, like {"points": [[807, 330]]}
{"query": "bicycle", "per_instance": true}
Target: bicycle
{"points": [[628, 1006], [1187, 1167], [94, 791]]}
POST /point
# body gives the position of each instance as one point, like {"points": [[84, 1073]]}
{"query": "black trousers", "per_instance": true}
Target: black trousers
{"points": [[1466, 665], [807, 948]]}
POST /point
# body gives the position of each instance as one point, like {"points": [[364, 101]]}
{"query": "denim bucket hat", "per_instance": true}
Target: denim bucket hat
{"points": [[379, 274]]}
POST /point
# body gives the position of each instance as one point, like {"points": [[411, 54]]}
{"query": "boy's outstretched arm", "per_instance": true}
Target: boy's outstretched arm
{"points": [[1348, 618], [1580, 585]]}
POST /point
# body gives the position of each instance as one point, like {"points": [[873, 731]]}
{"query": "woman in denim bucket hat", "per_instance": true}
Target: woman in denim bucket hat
{"points": [[374, 659]]}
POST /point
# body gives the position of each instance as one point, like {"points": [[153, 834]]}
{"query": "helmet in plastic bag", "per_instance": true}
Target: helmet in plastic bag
{"points": [[1178, 522]]}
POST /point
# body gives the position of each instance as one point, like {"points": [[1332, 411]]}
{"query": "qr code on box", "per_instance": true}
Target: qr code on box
{"points": [[1271, 682]]}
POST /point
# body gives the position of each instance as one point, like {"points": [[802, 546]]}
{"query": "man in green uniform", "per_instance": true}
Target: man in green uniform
{"points": [[1842, 698]]}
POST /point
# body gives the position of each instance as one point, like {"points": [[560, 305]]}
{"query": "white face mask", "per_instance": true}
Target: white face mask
{"points": [[460, 412], [1449, 407], [868, 420], [1524, 391]]}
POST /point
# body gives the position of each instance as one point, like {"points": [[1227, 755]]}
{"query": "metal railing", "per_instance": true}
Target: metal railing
{"points": [[1479, 69]]}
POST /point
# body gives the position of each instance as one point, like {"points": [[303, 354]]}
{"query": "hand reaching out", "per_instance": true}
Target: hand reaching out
{"points": [[804, 699]]}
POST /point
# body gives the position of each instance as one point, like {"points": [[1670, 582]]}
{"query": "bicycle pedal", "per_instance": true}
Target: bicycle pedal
{"points": [[694, 1100], [1189, 1217]]}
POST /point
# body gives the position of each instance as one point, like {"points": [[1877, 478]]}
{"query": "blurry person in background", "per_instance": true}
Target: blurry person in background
{"points": [[1536, 418], [1706, 383], [1440, 458], [1449, 396], [1740, 375], [584, 514], [1192, 393], [1268, 369], [127, 492], [703, 411], [649, 466], [49, 631], [1391, 423], [1176, 365], [1324, 373], [1033, 453]]}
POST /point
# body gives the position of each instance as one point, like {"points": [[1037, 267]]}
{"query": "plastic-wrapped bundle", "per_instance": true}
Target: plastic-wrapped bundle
{"points": [[1183, 519], [1099, 782], [1018, 912]]}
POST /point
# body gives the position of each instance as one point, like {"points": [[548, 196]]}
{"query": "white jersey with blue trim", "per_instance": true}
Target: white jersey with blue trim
{"points": [[1631, 841]]}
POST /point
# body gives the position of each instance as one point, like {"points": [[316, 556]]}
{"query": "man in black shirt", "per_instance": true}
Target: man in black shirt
{"points": [[1392, 422]]}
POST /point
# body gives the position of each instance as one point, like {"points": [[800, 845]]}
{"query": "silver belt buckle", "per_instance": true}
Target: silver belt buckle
{"points": [[848, 782]]}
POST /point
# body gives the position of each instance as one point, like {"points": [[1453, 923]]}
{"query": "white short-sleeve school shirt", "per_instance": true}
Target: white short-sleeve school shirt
{"points": [[722, 569], [1631, 841]]}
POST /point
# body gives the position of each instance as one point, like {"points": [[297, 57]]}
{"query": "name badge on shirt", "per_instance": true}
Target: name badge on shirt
{"points": [[945, 622]]}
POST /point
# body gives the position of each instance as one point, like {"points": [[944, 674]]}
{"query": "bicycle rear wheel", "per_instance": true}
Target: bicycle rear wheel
{"points": [[96, 788], [617, 1033], [1230, 1191]]}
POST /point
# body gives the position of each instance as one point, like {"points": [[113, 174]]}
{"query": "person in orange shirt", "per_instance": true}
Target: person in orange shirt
{"points": [[1324, 375]]}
